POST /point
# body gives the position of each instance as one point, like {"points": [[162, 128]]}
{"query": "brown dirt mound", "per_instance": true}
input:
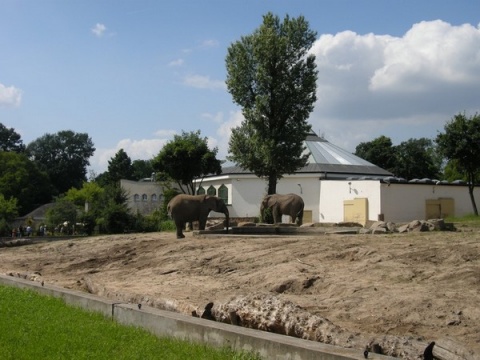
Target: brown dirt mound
{"points": [[399, 291]]}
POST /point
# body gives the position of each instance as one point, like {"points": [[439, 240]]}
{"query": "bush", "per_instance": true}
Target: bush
{"points": [[167, 225], [5, 229]]}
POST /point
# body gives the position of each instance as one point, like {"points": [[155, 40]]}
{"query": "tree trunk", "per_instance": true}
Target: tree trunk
{"points": [[471, 187], [272, 184]]}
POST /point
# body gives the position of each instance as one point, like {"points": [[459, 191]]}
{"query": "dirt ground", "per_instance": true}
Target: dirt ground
{"points": [[394, 291]]}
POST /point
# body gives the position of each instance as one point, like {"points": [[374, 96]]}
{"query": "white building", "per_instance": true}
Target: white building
{"points": [[338, 186]]}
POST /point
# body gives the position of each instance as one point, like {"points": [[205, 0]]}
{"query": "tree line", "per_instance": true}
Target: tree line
{"points": [[272, 76]]}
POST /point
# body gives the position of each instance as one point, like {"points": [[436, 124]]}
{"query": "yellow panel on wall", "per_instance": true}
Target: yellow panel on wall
{"points": [[356, 210], [307, 216], [439, 208]]}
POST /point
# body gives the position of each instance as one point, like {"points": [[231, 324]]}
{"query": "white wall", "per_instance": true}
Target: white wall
{"points": [[406, 202], [334, 192], [246, 192], [397, 202]]}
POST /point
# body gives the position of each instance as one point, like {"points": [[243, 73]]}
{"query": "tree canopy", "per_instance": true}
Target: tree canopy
{"points": [[273, 78], [414, 158], [461, 143], [379, 151], [417, 158], [185, 158], [142, 169], [120, 167], [64, 156], [10, 140], [21, 179]]}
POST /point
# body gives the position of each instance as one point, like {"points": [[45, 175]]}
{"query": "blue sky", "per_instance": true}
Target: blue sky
{"points": [[132, 73]]}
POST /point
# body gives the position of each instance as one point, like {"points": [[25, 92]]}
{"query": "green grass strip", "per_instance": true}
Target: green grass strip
{"points": [[33, 326]]}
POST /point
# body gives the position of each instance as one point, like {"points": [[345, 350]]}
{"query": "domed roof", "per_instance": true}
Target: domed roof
{"points": [[329, 161]]}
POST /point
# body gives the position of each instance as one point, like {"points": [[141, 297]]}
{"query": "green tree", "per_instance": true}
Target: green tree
{"points": [[379, 151], [142, 169], [112, 213], [120, 167], [8, 208], [451, 171], [10, 140], [273, 78], [64, 156], [185, 158], [417, 158], [20, 178], [64, 214], [90, 192], [461, 142]]}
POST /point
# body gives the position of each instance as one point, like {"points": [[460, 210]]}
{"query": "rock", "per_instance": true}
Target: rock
{"points": [[436, 224], [246, 224], [308, 225]]}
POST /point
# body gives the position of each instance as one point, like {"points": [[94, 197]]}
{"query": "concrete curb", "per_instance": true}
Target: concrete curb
{"points": [[171, 324]]}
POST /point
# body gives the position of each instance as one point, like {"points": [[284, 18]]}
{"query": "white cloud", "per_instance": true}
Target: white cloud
{"points": [[209, 43], [99, 30], [203, 82], [165, 133], [176, 63], [224, 132], [10, 96], [402, 87], [430, 54], [216, 118], [144, 149]]}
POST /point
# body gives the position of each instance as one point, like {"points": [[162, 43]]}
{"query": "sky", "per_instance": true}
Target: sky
{"points": [[133, 73]]}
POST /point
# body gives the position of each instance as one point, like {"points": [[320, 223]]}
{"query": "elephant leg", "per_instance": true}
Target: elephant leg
{"points": [[277, 216], [179, 225], [202, 223]]}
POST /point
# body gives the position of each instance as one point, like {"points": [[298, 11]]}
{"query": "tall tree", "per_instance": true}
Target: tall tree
{"points": [[10, 140], [64, 156], [120, 167], [417, 158], [185, 158], [273, 78], [379, 151], [21, 179], [461, 142]]}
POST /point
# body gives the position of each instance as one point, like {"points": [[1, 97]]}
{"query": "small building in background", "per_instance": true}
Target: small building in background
{"points": [[144, 196], [338, 186]]}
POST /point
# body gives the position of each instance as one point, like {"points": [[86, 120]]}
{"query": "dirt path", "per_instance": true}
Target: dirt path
{"points": [[398, 290]]}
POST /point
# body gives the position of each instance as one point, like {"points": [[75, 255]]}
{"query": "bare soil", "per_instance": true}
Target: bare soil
{"points": [[395, 292]]}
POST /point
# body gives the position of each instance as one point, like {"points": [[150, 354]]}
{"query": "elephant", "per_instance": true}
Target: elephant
{"points": [[289, 204], [185, 208]]}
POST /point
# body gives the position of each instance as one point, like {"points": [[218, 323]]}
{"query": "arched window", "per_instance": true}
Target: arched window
{"points": [[223, 193], [201, 191], [144, 197], [136, 197], [154, 197], [211, 190]]}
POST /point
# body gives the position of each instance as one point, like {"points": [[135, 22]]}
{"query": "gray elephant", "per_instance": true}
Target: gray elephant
{"points": [[289, 204], [188, 208]]}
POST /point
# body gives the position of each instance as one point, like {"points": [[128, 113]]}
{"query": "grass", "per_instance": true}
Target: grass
{"points": [[33, 326], [466, 221]]}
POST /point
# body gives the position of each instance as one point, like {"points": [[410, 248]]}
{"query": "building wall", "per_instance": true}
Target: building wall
{"points": [[325, 198], [406, 202], [144, 197], [247, 192], [333, 193]]}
